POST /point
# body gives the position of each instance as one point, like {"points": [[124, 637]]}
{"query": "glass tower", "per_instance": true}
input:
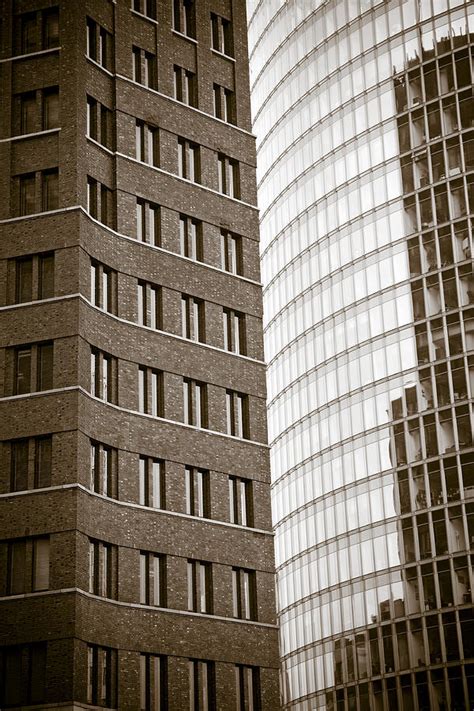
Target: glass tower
{"points": [[363, 112]]}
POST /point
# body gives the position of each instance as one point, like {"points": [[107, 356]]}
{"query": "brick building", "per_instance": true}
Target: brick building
{"points": [[136, 562]]}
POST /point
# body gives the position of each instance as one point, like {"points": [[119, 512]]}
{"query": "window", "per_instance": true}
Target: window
{"points": [[103, 287], [202, 686], [247, 688], [237, 414], [34, 278], [103, 470], [103, 375], [101, 676], [199, 586], [152, 579], [188, 160], [30, 463], [221, 33], [28, 112], [150, 391], [28, 29], [144, 68], [23, 674], [153, 683], [99, 44], [146, 143], [28, 565], [192, 318], [32, 364], [100, 202], [195, 403], [197, 492], [224, 104], [46, 275], [50, 28], [145, 7], [148, 222], [99, 122], [240, 501], [184, 18], [149, 305], [24, 280], [27, 194], [234, 331], [185, 86], [50, 194], [228, 174], [244, 597], [190, 238], [151, 482], [103, 569], [50, 108]]}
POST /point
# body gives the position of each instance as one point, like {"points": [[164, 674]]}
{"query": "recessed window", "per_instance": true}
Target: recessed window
{"points": [[100, 123], [247, 688], [27, 665], [190, 238], [50, 108], [146, 143], [194, 403], [27, 194], [244, 594], [151, 482], [28, 110], [234, 331], [188, 160], [28, 565], [101, 676], [32, 361], [237, 414], [103, 375], [224, 104], [103, 559], [185, 86], [221, 34], [199, 586], [103, 470], [197, 487], [148, 222], [202, 685], [145, 7], [149, 305], [240, 501], [144, 68], [192, 318], [153, 682], [228, 176], [100, 202], [50, 189], [103, 287], [50, 19], [99, 44], [184, 17], [150, 391], [152, 579]]}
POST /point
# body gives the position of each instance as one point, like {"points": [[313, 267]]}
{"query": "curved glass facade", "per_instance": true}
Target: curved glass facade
{"points": [[364, 119]]}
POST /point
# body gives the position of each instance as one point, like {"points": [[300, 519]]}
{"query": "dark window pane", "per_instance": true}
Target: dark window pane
{"points": [[23, 371], [19, 470], [50, 109], [13, 694], [45, 366], [37, 674], [50, 190], [46, 276], [27, 194], [24, 280], [28, 33], [28, 110], [16, 581], [43, 462], [51, 28]]}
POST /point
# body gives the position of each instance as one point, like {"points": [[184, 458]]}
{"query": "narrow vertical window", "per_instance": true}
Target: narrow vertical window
{"points": [[45, 276], [41, 564], [27, 194], [24, 280], [22, 371], [19, 465], [50, 108], [50, 193]]}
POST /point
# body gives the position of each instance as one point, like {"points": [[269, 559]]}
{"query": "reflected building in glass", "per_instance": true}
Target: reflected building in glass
{"points": [[364, 119]]}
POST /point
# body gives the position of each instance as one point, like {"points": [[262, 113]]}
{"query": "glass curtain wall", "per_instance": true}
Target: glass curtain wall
{"points": [[363, 112]]}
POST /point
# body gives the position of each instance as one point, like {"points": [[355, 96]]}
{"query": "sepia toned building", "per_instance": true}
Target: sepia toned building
{"points": [[136, 553], [363, 113]]}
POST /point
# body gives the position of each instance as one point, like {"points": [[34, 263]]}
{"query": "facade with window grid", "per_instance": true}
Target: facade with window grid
{"points": [[366, 218], [126, 504]]}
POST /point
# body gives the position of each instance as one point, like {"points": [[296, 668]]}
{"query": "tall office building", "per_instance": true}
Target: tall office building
{"points": [[136, 558], [363, 113]]}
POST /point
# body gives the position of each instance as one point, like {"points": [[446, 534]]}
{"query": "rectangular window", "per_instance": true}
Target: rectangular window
{"points": [[30, 463], [101, 676], [46, 276], [91, 37], [103, 569], [42, 461], [22, 371], [247, 688], [192, 318], [27, 194], [199, 586], [50, 108], [28, 565], [149, 305], [24, 280], [202, 686], [151, 482], [50, 28], [19, 465], [103, 375], [150, 391], [103, 470], [148, 222], [188, 160], [153, 683], [240, 501], [185, 86], [23, 674], [244, 594], [145, 7], [136, 65], [224, 104], [45, 366], [28, 112], [234, 331], [100, 202], [146, 143], [152, 579], [103, 287], [195, 403], [237, 414], [190, 238], [221, 33], [197, 488], [228, 176], [99, 44], [34, 277], [150, 74], [50, 191], [184, 17], [28, 30]]}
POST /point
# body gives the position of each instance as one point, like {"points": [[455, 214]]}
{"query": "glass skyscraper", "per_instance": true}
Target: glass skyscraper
{"points": [[363, 112]]}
